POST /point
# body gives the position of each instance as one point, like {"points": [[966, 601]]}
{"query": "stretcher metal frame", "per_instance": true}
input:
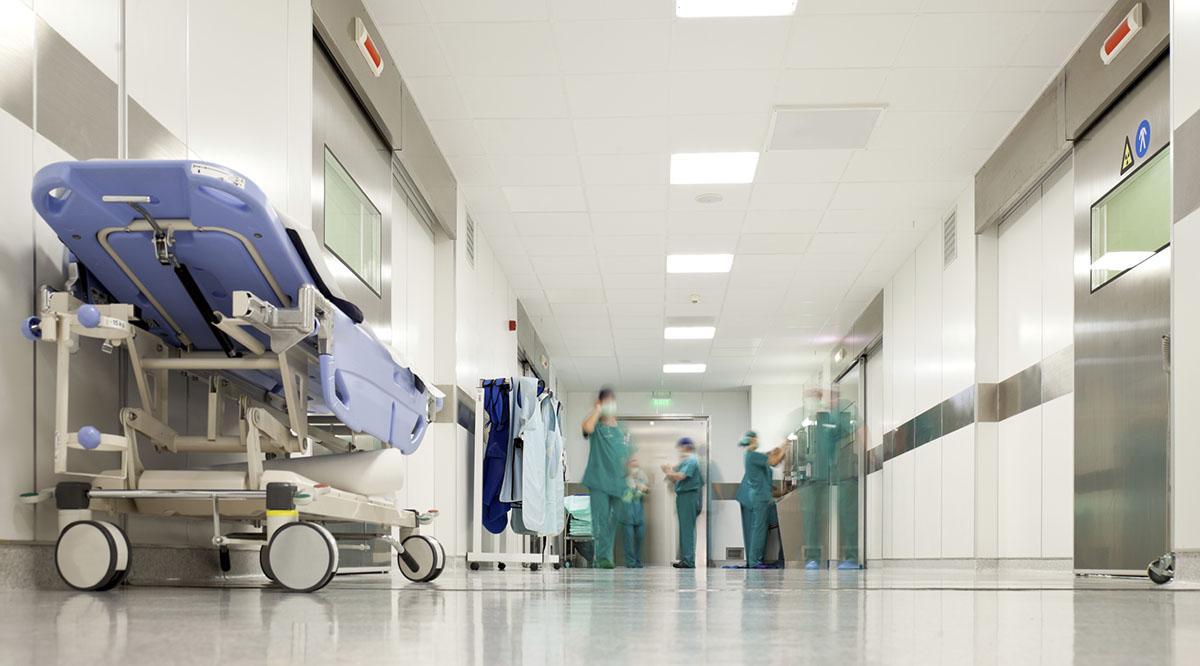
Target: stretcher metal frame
{"points": [[266, 424]]}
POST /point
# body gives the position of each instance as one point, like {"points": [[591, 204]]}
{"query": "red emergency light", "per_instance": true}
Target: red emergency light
{"points": [[1122, 34], [366, 46]]}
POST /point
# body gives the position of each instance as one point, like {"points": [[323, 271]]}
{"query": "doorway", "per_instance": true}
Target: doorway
{"points": [[654, 441]]}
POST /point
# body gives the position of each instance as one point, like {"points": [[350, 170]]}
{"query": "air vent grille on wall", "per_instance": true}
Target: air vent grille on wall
{"points": [[471, 241], [949, 240]]}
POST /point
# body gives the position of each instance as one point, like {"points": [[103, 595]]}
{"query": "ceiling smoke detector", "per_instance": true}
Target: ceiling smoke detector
{"points": [[709, 198]]}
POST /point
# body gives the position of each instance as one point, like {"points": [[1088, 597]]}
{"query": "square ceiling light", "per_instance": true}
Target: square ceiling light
{"points": [[699, 263], [727, 8], [822, 128], [713, 168], [689, 332], [684, 368]]}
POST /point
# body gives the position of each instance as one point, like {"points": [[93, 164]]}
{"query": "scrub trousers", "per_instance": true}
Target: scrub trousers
{"points": [[634, 536], [604, 524], [754, 536], [687, 508]]}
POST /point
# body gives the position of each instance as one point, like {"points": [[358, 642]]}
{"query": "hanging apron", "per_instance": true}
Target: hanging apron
{"points": [[497, 402]]}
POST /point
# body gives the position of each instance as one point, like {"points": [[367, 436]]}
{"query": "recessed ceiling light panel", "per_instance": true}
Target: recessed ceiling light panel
{"points": [[684, 368], [822, 128], [699, 263], [689, 332], [713, 168], [728, 8]]}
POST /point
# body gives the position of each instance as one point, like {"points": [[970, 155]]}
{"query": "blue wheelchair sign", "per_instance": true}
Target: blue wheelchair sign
{"points": [[1141, 142]]}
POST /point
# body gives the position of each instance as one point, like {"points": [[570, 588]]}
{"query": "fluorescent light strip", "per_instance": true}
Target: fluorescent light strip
{"points": [[730, 8], [684, 368], [713, 168], [689, 332], [699, 263]]}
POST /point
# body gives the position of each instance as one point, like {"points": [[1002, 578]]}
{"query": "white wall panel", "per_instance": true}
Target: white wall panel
{"points": [[903, 498], [958, 493], [874, 516], [902, 348], [156, 67], [1185, 386], [886, 354], [1020, 289], [1058, 477], [927, 361], [927, 504], [1020, 485], [1058, 256], [958, 304], [888, 514]]}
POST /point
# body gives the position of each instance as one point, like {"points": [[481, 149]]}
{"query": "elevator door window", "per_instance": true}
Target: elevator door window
{"points": [[353, 225], [1133, 221]]}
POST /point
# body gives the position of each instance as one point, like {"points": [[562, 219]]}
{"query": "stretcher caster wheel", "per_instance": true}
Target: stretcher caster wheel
{"points": [[301, 557], [265, 564], [533, 567], [223, 559], [557, 566], [500, 566], [474, 566], [92, 555], [423, 558], [1162, 570]]}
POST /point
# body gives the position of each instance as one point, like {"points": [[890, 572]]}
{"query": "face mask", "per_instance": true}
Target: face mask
{"points": [[608, 408]]}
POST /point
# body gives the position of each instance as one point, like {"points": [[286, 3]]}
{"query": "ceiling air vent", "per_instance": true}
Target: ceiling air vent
{"points": [[822, 127], [949, 240], [470, 241]]}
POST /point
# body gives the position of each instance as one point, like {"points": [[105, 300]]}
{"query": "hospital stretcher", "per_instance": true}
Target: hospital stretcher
{"points": [[186, 267]]}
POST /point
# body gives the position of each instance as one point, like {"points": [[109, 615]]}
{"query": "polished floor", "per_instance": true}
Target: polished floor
{"points": [[650, 616]]}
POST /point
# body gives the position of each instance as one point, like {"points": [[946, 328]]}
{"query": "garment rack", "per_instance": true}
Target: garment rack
{"points": [[500, 557]]}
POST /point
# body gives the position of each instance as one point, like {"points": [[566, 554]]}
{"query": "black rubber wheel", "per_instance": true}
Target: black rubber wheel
{"points": [[500, 566], [264, 563], [224, 559], [1158, 578], [474, 566], [557, 566], [123, 574], [533, 567]]}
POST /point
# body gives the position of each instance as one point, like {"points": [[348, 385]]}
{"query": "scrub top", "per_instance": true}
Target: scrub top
{"points": [[757, 479], [689, 467], [607, 453]]}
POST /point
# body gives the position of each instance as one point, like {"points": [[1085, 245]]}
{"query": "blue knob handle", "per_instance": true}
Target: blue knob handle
{"points": [[89, 316], [89, 437], [31, 329]]}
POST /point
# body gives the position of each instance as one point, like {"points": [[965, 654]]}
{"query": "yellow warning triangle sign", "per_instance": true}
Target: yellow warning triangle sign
{"points": [[1126, 158]]}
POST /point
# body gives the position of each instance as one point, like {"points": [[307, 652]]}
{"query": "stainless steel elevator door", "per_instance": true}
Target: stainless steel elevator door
{"points": [[344, 138], [1122, 439]]}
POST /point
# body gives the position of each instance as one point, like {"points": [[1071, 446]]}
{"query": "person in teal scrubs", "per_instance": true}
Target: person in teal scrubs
{"points": [[686, 475], [755, 497], [604, 475], [633, 516]]}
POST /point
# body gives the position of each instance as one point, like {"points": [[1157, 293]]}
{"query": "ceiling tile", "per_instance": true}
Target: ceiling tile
{"points": [[1054, 37], [703, 309], [632, 94], [630, 245], [725, 92], [645, 265], [571, 265], [845, 243], [866, 196], [907, 165], [527, 136], [715, 134], [701, 244], [610, 198], [629, 223], [941, 89], [625, 169], [1015, 88], [385, 12], [967, 40], [633, 281], [416, 49], [456, 137], [858, 6], [917, 130], [486, 10], [508, 245], [499, 49], [513, 265], [524, 282], [484, 199], [495, 224], [781, 221], [773, 243], [472, 171], [847, 41], [636, 315], [514, 96], [569, 280], [875, 221], [645, 295], [799, 196], [765, 263], [802, 166], [985, 131], [545, 199], [610, 9], [712, 283], [705, 222], [552, 224], [733, 198], [554, 246], [587, 46], [711, 44], [754, 279], [580, 296], [835, 87], [606, 136], [536, 169]]}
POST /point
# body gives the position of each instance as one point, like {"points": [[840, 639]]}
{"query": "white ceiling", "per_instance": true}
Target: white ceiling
{"points": [[559, 116]]}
